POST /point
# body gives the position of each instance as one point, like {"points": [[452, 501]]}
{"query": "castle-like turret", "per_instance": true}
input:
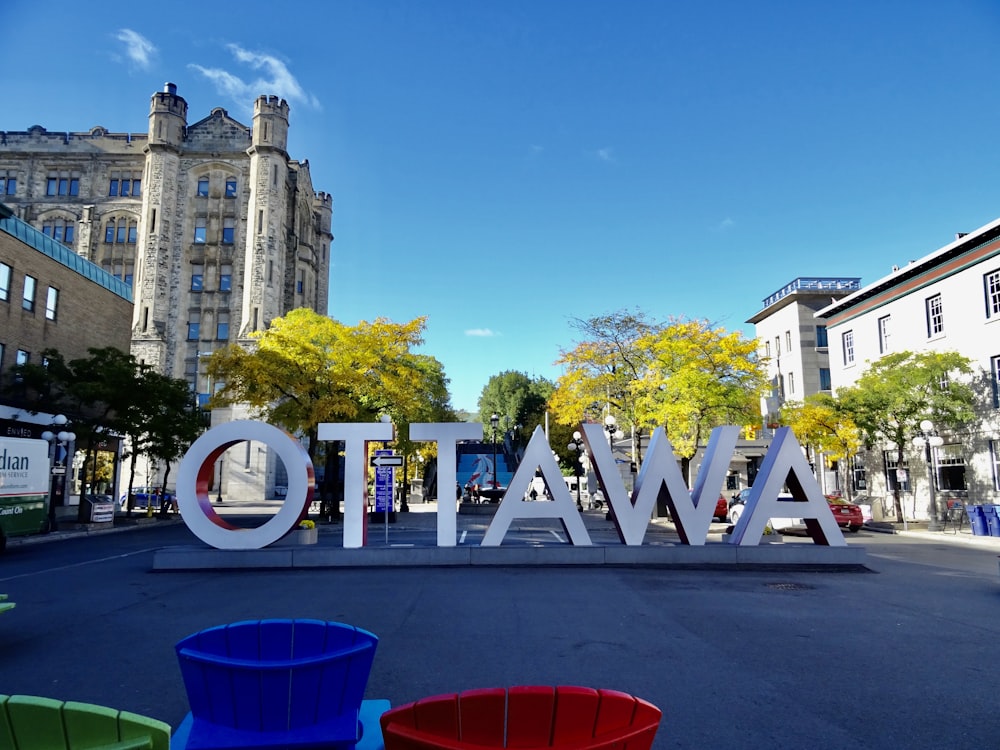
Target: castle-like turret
{"points": [[167, 117], [159, 249], [265, 268]]}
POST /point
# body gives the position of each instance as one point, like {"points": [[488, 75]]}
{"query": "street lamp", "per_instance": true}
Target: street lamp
{"points": [[928, 438], [494, 421], [576, 446], [56, 440], [614, 432]]}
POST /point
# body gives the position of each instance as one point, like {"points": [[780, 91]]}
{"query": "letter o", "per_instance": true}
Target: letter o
{"points": [[198, 468]]}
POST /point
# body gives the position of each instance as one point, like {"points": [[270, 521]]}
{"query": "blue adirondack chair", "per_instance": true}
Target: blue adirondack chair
{"points": [[279, 684]]}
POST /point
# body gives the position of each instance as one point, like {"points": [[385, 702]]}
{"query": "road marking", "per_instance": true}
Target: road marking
{"points": [[80, 564]]}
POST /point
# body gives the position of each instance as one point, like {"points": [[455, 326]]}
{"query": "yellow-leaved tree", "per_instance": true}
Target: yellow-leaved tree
{"points": [[307, 368], [600, 370], [819, 422], [698, 378]]}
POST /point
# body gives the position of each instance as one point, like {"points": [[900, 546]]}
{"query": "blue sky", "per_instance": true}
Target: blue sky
{"points": [[505, 166]]}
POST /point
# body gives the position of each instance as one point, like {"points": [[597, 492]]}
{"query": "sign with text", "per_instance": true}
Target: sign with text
{"points": [[784, 465]]}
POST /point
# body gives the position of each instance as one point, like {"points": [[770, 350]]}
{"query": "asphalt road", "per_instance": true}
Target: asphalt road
{"points": [[902, 656]]}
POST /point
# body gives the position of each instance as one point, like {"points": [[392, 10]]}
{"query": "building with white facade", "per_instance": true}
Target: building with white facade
{"points": [[793, 347], [948, 300]]}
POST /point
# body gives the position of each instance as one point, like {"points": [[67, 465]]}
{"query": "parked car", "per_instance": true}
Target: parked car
{"points": [[721, 509], [142, 496], [739, 500], [846, 514]]}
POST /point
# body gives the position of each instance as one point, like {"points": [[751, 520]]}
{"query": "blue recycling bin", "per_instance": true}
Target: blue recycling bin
{"points": [[992, 519], [977, 520]]}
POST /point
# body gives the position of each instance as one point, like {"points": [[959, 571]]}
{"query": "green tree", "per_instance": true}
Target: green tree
{"points": [[820, 422], [899, 390], [517, 397]]}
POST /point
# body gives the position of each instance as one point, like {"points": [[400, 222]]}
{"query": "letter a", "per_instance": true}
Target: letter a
{"points": [[538, 453], [786, 464]]}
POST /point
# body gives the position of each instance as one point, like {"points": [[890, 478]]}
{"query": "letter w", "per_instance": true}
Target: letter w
{"points": [[691, 511]]}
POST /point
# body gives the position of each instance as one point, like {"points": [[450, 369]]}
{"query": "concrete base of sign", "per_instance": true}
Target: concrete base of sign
{"points": [[709, 556], [478, 509]]}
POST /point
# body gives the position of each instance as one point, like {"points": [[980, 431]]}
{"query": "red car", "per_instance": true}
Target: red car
{"points": [[845, 513], [721, 509]]}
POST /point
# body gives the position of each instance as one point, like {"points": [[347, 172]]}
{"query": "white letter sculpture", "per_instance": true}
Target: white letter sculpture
{"points": [[786, 464], [691, 511], [198, 467], [447, 436], [355, 472], [537, 454]]}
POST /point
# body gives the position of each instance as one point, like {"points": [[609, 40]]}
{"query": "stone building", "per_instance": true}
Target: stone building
{"points": [[212, 225]]}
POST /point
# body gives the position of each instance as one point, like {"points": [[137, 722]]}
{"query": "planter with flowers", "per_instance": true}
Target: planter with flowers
{"points": [[305, 533]]}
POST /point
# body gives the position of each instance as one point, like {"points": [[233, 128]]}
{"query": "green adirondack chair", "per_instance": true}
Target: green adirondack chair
{"points": [[28, 722]]}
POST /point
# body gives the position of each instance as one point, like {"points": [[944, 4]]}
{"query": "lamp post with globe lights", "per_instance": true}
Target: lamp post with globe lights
{"points": [[927, 439], [57, 467], [576, 447], [613, 430], [494, 421]]}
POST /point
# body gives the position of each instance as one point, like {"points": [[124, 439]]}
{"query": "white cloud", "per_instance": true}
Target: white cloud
{"points": [[137, 47], [481, 332], [724, 225], [273, 78], [605, 155]]}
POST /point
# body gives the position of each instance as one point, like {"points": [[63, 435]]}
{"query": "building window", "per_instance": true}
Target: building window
{"points": [[847, 339], [63, 183], [28, 298], [121, 231], [935, 316], [203, 187], [22, 358], [991, 287], [791, 384], [858, 476], [777, 346], [200, 231], [821, 339], [824, 379], [228, 231], [995, 461], [230, 187], [949, 467], [197, 278], [193, 325], [788, 341], [222, 327], [61, 230], [883, 334], [51, 303], [2, 350], [226, 278], [995, 370], [767, 348], [125, 184], [8, 182], [4, 282], [895, 475], [300, 284]]}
